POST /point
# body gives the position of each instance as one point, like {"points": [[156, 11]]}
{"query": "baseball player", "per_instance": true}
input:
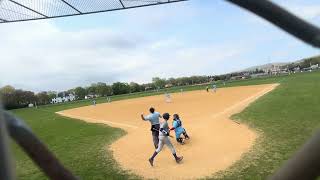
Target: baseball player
{"points": [[207, 88], [214, 87], [163, 139], [167, 97], [153, 117], [177, 127], [94, 102]]}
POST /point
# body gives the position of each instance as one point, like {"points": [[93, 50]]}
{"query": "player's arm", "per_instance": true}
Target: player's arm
{"points": [[142, 117], [174, 126]]}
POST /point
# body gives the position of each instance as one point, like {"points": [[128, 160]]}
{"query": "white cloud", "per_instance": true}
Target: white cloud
{"points": [[40, 56], [43, 56]]}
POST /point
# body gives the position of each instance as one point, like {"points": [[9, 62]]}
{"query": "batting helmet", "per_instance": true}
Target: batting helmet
{"points": [[166, 116], [176, 116]]}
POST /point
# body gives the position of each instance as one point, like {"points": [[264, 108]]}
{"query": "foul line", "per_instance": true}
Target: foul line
{"points": [[99, 120], [256, 96]]}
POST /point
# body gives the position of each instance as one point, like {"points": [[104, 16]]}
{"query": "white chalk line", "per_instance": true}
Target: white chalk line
{"points": [[99, 120], [256, 96]]}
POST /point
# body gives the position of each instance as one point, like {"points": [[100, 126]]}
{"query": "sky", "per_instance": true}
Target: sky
{"points": [[196, 37]]}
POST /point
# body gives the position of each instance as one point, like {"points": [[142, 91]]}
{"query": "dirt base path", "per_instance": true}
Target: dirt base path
{"points": [[216, 141]]}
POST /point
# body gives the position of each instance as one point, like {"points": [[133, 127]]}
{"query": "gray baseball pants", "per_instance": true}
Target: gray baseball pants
{"points": [[165, 140]]}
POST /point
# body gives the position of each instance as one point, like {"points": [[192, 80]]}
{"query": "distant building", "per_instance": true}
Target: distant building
{"points": [[70, 97], [168, 85], [275, 70], [56, 100], [147, 88], [307, 69], [315, 66], [297, 69], [259, 75], [239, 77], [246, 74]]}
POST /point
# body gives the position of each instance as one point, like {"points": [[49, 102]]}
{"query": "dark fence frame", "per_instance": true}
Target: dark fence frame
{"points": [[78, 12]]}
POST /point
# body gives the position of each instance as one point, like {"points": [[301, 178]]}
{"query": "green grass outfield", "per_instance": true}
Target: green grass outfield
{"points": [[287, 117]]}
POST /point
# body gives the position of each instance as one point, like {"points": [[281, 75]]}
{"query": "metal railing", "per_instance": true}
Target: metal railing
{"points": [[33, 147], [6, 166], [22, 10]]}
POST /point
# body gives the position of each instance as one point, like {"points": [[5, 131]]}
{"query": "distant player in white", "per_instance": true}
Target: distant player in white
{"points": [[164, 139], [167, 97], [214, 87]]}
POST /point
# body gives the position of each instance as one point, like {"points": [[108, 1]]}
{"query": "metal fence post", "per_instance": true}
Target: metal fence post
{"points": [[6, 166], [35, 149]]}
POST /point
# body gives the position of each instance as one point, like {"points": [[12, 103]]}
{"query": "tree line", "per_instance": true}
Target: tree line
{"points": [[17, 98], [102, 89], [13, 98]]}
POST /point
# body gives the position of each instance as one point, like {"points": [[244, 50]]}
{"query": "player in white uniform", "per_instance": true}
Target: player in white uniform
{"points": [[167, 97], [164, 139], [214, 88]]}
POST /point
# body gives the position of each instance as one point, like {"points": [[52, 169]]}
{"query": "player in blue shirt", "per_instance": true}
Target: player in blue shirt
{"points": [[177, 127], [153, 117]]}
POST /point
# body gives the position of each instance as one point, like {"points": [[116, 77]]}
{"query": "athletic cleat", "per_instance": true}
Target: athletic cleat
{"points": [[182, 142], [179, 159], [151, 161]]}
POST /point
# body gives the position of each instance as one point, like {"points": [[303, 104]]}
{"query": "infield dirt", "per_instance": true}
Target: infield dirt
{"points": [[216, 141]]}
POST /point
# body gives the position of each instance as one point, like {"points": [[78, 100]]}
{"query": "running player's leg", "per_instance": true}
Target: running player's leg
{"points": [[179, 138], [173, 151], [155, 136], [185, 134], [161, 143], [160, 146], [169, 144]]}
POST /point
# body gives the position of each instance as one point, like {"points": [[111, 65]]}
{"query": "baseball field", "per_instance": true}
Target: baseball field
{"points": [[110, 141]]}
